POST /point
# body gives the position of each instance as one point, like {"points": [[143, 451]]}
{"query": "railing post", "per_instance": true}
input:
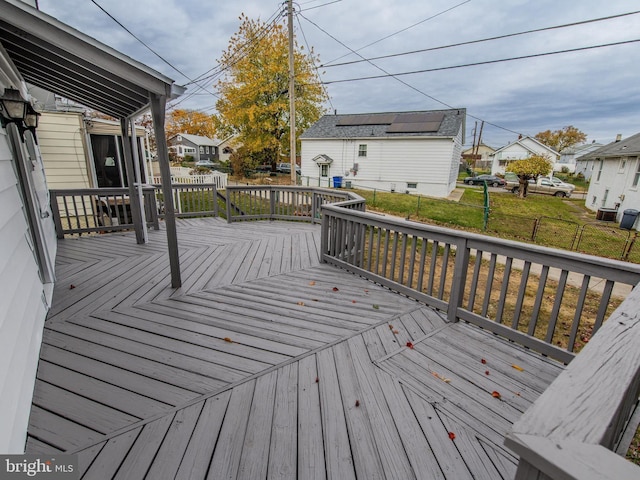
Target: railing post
{"points": [[272, 202], [215, 201], [228, 192], [459, 280], [151, 206], [56, 214], [324, 236]]}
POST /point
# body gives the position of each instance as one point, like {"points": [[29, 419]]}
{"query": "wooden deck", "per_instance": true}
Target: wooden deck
{"points": [[266, 364]]}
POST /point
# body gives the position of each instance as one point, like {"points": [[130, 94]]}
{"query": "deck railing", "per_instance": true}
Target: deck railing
{"points": [[191, 200], [80, 211], [279, 202], [88, 210]]}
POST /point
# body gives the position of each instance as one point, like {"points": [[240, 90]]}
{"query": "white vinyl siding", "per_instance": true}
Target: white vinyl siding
{"points": [[61, 139], [22, 310], [431, 163]]}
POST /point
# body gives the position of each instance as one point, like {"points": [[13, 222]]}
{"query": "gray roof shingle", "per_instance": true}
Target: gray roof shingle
{"points": [[629, 146], [385, 125]]}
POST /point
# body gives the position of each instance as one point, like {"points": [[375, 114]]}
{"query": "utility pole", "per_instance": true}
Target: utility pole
{"points": [[292, 96], [479, 142]]}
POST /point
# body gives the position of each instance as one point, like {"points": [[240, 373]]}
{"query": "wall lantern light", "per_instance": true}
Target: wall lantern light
{"points": [[13, 108]]}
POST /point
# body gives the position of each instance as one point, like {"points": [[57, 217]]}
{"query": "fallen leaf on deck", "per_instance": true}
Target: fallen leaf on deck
{"points": [[410, 345], [446, 380], [357, 403], [486, 372], [520, 369], [301, 304], [72, 286], [317, 379], [312, 283], [377, 307], [396, 332], [495, 394], [335, 289], [353, 301], [483, 361], [390, 327], [227, 339], [452, 435], [314, 299], [366, 291]]}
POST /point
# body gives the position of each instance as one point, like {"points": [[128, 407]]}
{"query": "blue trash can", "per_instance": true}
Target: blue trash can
{"points": [[337, 182], [629, 217]]}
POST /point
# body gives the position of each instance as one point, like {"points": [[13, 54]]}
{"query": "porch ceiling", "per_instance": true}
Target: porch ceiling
{"points": [[58, 58]]}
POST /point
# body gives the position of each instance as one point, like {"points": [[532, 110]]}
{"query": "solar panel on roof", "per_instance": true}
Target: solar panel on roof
{"points": [[374, 119], [414, 127], [419, 117]]}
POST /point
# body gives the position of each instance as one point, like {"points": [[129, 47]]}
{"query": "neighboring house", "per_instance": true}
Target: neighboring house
{"points": [[196, 146], [569, 156], [27, 234], [480, 160], [615, 181], [414, 152], [80, 152], [522, 148], [226, 147], [584, 164]]}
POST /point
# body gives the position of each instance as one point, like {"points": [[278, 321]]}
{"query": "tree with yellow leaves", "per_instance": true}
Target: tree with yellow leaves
{"points": [[529, 168], [254, 94], [561, 139], [192, 122]]}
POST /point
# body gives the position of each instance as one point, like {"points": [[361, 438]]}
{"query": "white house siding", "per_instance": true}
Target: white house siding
{"points": [[615, 185], [390, 164], [22, 309]]}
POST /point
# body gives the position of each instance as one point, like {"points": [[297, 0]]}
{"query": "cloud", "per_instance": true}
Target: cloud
{"points": [[595, 90]]}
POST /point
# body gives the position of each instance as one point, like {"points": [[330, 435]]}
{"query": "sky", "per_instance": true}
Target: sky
{"points": [[596, 90]]}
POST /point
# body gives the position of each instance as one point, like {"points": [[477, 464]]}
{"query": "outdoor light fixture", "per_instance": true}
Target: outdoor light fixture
{"points": [[13, 108], [31, 118]]}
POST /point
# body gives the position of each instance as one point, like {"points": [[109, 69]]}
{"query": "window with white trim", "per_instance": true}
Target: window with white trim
{"points": [[636, 176], [201, 149], [324, 170], [362, 150], [599, 170]]}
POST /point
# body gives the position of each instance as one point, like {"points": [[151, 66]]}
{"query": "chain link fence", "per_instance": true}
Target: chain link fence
{"points": [[604, 240]]}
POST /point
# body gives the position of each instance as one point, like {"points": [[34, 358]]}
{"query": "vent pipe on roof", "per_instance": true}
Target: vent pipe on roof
{"points": [[618, 137]]}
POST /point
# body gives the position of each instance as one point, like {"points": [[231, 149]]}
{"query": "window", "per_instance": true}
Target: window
{"points": [[412, 185], [362, 150], [207, 149], [636, 177], [599, 170], [324, 170], [201, 149], [623, 164], [180, 150]]}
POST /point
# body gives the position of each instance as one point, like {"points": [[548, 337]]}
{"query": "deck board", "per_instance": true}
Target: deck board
{"points": [[265, 364]]}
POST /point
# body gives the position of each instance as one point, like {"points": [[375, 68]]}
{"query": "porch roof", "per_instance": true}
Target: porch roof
{"points": [[56, 57]]}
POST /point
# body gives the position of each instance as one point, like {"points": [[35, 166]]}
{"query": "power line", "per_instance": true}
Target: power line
{"points": [[147, 46], [584, 22], [487, 62], [273, 18], [139, 40], [311, 59], [398, 32], [387, 74]]}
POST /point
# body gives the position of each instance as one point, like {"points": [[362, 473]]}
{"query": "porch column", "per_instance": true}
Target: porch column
{"points": [[134, 201], [158, 104], [136, 168]]}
